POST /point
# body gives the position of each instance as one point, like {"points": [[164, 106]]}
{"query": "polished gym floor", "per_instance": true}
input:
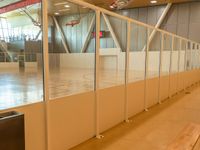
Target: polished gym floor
{"points": [[25, 86]]}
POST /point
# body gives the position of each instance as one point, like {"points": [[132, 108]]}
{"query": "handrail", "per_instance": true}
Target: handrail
{"points": [[91, 6]]}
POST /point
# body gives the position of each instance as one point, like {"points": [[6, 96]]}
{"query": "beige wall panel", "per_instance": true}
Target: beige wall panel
{"points": [[196, 75], [152, 91], [112, 104], [191, 76], [186, 79], [71, 120], [173, 84], [164, 87], [135, 97], [34, 125], [194, 72], [180, 79]]}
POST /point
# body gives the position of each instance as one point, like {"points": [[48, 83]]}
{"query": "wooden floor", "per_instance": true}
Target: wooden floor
{"points": [[20, 87], [197, 145], [152, 130]]}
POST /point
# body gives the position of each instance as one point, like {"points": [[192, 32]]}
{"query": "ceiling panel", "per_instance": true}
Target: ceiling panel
{"points": [[134, 3]]}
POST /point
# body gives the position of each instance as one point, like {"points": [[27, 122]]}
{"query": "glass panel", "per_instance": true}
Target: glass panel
{"points": [[137, 53], [71, 34], [112, 51], [194, 56], [21, 72], [167, 47], [188, 56], [198, 56], [175, 56], [154, 54], [182, 56]]}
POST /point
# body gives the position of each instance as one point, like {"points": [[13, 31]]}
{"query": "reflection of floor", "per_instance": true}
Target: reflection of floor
{"points": [[18, 87], [152, 130]]}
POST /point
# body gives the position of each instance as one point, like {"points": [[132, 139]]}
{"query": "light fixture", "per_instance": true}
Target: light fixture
{"points": [[153, 2], [60, 3], [56, 13], [61, 10], [111, 6], [67, 6]]}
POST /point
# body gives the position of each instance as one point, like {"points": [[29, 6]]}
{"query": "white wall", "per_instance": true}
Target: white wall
{"points": [[77, 60], [136, 61]]}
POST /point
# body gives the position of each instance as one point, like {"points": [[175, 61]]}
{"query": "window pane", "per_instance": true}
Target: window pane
{"points": [[167, 47], [154, 54], [137, 53], [71, 34], [112, 51], [188, 56], [175, 56], [21, 75]]}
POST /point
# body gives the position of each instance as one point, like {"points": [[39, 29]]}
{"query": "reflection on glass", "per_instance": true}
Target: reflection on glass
{"points": [[20, 55], [112, 51], [188, 56], [194, 56], [175, 56], [154, 54], [198, 56], [137, 53], [71, 34], [182, 56], [167, 47]]}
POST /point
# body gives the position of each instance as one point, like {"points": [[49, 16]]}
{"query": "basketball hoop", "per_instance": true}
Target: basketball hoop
{"points": [[73, 22], [119, 4], [76, 20]]}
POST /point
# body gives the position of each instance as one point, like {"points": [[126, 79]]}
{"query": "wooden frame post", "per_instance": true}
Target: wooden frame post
{"points": [[98, 13], [170, 67], [127, 69], [146, 71], [160, 67], [46, 70]]}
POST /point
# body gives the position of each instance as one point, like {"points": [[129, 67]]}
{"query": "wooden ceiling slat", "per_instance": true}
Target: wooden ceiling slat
{"points": [[134, 3]]}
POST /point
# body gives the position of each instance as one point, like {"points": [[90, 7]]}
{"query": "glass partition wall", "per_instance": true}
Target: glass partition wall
{"points": [[71, 34], [112, 52], [137, 53], [129, 67], [154, 53], [166, 54], [73, 69], [21, 66]]}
